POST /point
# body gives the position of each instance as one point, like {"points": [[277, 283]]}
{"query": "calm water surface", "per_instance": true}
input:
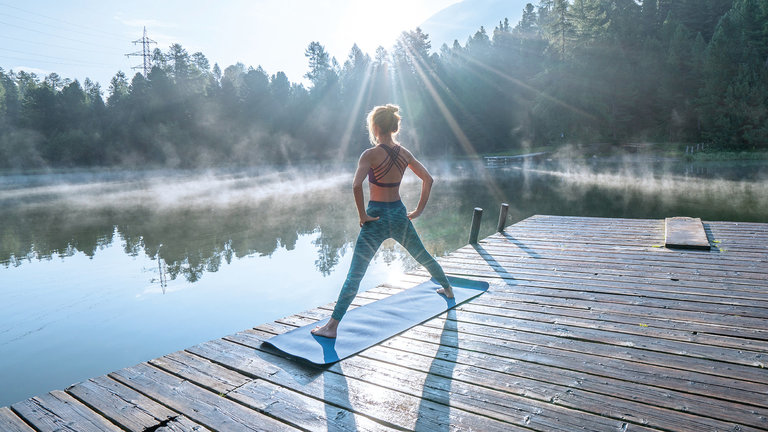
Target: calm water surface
{"points": [[103, 270]]}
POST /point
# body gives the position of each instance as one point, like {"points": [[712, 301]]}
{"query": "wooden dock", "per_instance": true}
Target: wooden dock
{"points": [[590, 324]]}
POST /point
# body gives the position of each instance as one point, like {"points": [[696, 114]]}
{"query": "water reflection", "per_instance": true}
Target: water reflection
{"points": [[191, 224], [188, 239], [103, 270]]}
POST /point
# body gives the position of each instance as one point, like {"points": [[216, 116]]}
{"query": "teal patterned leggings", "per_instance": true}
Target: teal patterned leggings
{"points": [[393, 223]]}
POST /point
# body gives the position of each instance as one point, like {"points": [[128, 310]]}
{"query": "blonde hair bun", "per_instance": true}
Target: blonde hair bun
{"points": [[386, 119]]}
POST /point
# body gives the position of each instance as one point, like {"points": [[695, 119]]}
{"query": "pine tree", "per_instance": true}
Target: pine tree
{"points": [[320, 70], [590, 21], [650, 17], [528, 25], [560, 27], [734, 98]]}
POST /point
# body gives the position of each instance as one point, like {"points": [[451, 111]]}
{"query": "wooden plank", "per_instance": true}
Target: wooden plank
{"points": [[621, 327], [537, 245], [198, 404], [642, 324], [585, 263], [294, 408], [623, 235], [721, 266], [611, 388], [745, 288], [601, 350], [180, 424], [705, 323], [685, 233], [656, 254], [10, 422], [517, 380], [202, 372], [595, 274], [441, 363], [466, 396], [588, 324], [725, 361], [305, 412], [121, 405], [734, 381], [652, 256], [615, 363], [629, 224], [58, 411], [691, 301], [701, 333], [389, 407], [696, 312]]}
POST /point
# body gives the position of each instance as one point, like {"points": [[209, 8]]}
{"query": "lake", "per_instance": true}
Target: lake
{"points": [[100, 270]]}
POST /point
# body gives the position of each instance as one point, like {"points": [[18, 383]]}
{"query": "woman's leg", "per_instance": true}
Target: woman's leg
{"points": [[412, 243], [368, 241]]}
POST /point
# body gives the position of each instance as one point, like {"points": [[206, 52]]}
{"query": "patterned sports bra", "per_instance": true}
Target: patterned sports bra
{"points": [[393, 159]]}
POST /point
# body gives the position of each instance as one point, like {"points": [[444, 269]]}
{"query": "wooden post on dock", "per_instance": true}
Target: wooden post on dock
{"points": [[475, 229], [502, 217]]}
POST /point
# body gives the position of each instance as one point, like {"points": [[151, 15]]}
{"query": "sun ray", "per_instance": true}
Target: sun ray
{"points": [[464, 141], [353, 115], [526, 86], [405, 103]]}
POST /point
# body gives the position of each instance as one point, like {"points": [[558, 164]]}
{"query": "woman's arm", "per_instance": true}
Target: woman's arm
{"points": [[357, 188], [426, 186]]}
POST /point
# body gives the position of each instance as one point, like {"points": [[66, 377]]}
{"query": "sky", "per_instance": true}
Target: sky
{"points": [[89, 38]]}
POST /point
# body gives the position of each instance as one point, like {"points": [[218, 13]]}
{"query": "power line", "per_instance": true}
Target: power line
{"points": [[144, 41], [54, 27], [79, 26], [48, 34], [95, 65], [48, 45], [52, 57]]}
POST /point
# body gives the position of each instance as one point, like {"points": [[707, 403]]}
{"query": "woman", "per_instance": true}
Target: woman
{"points": [[386, 217]]}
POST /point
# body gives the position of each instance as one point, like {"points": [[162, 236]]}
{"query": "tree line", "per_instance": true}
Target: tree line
{"points": [[578, 71]]}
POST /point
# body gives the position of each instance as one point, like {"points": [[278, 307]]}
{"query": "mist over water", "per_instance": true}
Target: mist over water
{"points": [[103, 269]]}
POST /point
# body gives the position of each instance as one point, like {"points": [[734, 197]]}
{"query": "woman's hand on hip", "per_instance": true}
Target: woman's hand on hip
{"points": [[414, 214], [367, 218]]}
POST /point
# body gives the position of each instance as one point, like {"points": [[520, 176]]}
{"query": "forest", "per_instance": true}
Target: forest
{"points": [[569, 72]]}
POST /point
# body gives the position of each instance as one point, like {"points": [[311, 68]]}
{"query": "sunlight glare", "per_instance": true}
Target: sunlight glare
{"points": [[374, 24], [453, 124], [364, 90]]}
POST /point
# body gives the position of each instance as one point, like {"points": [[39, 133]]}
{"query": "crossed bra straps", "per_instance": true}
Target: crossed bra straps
{"points": [[393, 159]]}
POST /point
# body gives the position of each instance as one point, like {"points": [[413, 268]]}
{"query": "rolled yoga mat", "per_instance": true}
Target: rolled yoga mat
{"points": [[375, 322]]}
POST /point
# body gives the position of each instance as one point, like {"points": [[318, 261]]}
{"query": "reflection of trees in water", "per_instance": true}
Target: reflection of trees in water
{"points": [[329, 251], [191, 240], [196, 239]]}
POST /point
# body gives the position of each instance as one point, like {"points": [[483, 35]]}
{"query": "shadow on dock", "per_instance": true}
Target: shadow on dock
{"points": [[437, 385], [519, 244]]}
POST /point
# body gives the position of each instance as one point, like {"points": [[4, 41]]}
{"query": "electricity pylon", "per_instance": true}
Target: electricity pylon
{"points": [[144, 41]]}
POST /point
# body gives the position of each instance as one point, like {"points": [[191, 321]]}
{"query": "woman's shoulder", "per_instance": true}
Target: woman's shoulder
{"points": [[368, 152], [368, 155], [407, 154]]}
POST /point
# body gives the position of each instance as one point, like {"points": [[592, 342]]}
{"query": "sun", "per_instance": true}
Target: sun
{"points": [[373, 24]]}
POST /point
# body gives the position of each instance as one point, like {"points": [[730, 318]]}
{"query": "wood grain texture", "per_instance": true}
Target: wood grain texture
{"points": [[589, 324], [58, 411], [10, 422]]}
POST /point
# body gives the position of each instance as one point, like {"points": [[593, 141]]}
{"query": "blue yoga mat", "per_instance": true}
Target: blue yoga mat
{"points": [[370, 324]]}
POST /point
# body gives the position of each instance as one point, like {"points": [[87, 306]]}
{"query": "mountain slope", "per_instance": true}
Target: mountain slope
{"points": [[461, 20]]}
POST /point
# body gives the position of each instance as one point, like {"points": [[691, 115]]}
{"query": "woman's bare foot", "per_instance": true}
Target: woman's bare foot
{"points": [[328, 330], [446, 291]]}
